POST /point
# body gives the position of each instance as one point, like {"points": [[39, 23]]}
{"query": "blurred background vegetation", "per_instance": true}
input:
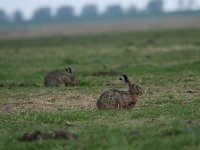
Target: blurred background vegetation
{"points": [[90, 13]]}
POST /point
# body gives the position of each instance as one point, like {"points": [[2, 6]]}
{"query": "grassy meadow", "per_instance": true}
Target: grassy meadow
{"points": [[165, 63]]}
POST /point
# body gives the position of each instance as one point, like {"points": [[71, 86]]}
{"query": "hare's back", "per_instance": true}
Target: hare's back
{"points": [[53, 78], [54, 73], [111, 98], [115, 95], [107, 100]]}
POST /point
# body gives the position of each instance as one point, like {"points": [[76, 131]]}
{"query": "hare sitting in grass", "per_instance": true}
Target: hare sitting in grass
{"points": [[56, 78], [116, 99]]}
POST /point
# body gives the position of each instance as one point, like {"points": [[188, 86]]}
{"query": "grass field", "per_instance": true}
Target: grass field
{"points": [[165, 63], [99, 27]]}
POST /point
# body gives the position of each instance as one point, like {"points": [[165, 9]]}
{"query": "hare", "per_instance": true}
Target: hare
{"points": [[56, 78], [116, 99]]}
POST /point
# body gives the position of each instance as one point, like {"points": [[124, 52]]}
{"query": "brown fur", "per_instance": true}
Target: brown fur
{"points": [[116, 99], [56, 78]]}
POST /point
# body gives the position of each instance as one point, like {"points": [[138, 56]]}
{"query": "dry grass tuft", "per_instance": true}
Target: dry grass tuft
{"points": [[49, 102]]}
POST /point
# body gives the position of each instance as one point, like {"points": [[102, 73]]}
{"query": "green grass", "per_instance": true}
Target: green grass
{"points": [[165, 63]]}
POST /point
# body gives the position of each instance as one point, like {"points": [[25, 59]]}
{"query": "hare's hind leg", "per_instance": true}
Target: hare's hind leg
{"points": [[66, 84], [119, 106], [131, 105]]}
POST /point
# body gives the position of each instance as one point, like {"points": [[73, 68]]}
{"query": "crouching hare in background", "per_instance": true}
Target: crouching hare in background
{"points": [[116, 99], [56, 78]]}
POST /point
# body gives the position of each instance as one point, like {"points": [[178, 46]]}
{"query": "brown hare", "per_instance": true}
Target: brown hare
{"points": [[56, 78], [116, 99]]}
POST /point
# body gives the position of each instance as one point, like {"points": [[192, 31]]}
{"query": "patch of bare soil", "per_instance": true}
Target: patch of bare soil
{"points": [[104, 73], [40, 135]]}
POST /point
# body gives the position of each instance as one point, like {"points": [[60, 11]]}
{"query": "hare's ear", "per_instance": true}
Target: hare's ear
{"points": [[70, 70], [126, 79], [122, 79]]}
